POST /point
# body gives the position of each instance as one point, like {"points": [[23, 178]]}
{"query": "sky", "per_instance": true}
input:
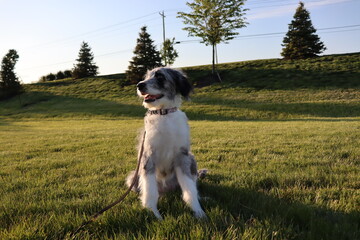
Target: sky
{"points": [[47, 34]]}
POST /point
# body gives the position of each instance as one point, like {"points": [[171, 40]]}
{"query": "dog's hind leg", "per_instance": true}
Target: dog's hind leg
{"points": [[190, 193], [149, 193], [202, 173]]}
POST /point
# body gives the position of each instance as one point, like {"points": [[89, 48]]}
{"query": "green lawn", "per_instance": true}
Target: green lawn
{"points": [[268, 180], [280, 140]]}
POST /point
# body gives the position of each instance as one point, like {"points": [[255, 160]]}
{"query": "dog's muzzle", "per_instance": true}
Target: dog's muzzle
{"points": [[147, 97], [141, 86]]}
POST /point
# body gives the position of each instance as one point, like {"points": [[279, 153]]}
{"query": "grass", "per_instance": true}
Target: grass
{"points": [[286, 180], [283, 159], [271, 89], [333, 71]]}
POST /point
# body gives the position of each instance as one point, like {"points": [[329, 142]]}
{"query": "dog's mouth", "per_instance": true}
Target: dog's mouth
{"points": [[151, 98]]}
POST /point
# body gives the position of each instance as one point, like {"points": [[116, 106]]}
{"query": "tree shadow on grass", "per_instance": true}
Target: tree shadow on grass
{"points": [[339, 72], [44, 105], [232, 110], [327, 72], [254, 207], [290, 79]]}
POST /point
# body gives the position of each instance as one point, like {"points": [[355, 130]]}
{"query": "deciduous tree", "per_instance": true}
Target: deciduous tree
{"points": [[168, 52], [214, 21]]}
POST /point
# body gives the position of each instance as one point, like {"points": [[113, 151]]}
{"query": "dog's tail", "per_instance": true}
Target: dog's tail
{"points": [[129, 180]]}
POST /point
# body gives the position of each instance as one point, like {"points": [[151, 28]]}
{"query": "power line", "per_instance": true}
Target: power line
{"points": [[49, 65], [114, 53], [93, 31], [264, 35], [266, 1], [110, 27], [346, 28], [281, 33], [290, 4], [72, 61], [320, 30]]}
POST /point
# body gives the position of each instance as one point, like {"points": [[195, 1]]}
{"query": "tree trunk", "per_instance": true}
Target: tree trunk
{"points": [[213, 60], [215, 74]]}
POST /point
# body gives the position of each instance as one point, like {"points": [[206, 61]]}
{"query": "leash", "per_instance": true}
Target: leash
{"points": [[96, 215]]}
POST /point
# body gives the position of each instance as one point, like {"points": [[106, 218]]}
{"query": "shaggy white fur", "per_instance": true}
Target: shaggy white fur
{"points": [[166, 162]]}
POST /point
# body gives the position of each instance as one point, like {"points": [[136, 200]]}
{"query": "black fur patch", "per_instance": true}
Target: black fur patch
{"points": [[149, 166], [160, 79], [182, 84], [184, 151]]}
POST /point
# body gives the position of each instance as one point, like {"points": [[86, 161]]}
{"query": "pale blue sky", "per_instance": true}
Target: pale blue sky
{"points": [[47, 33]]}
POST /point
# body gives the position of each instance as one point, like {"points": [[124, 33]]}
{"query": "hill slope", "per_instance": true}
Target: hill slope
{"points": [[271, 89]]}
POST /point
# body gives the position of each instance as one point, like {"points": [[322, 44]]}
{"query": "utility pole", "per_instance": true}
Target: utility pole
{"points": [[163, 20]]}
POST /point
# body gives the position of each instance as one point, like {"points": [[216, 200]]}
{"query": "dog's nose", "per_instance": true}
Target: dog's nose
{"points": [[141, 86]]}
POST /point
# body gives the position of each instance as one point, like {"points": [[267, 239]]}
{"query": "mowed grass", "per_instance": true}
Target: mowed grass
{"points": [[280, 139], [268, 180]]}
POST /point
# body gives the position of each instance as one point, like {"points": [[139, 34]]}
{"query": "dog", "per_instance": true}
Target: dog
{"points": [[166, 162]]}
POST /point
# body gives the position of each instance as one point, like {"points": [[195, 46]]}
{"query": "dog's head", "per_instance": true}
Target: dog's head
{"points": [[163, 88]]}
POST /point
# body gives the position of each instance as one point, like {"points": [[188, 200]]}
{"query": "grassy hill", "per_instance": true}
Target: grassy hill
{"points": [[280, 139], [265, 89]]}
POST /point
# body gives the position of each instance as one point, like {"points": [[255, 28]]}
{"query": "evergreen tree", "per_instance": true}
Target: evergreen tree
{"points": [[146, 57], [9, 82], [85, 66], [214, 21], [60, 75], [50, 77], [67, 73], [168, 53], [301, 40]]}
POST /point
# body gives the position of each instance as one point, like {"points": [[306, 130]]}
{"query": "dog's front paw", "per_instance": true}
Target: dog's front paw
{"points": [[200, 214], [156, 213]]}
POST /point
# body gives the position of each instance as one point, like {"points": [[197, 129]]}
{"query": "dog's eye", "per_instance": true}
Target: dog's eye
{"points": [[160, 79], [159, 75]]}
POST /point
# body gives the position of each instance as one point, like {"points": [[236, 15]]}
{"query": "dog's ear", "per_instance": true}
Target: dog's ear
{"points": [[183, 85]]}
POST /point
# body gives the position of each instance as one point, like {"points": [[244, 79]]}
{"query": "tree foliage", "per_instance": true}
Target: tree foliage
{"points": [[214, 21], [58, 76], [67, 74], [85, 66], [301, 40], [9, 82], [168, 52], [146, 57]]}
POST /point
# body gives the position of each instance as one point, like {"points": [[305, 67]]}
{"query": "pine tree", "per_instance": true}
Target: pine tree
{"points": [[85, 66], [9, 82], [146, 57], [301, 40], [168, 52]]}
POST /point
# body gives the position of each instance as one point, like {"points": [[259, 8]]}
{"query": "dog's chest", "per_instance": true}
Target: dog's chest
{"points": [[166, 135]]}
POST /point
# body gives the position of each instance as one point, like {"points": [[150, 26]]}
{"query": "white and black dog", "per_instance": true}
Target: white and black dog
{"points": [[166, 162]]}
